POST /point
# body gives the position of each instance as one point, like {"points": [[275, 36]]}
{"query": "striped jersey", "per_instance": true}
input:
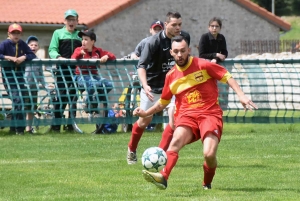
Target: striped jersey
{"points": [[194, 86]]}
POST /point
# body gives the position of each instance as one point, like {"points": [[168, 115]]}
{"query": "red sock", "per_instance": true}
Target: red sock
{"points": [[136, 135], [166, 138], [209, 174], [172, 160]]}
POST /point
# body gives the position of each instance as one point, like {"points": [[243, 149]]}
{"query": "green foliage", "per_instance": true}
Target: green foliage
{"points": [[295, 30], [295, 7], [282, 7], [256, 162]]}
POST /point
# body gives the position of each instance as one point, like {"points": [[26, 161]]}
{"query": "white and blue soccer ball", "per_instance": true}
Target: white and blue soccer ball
{"points": [[154, 159]]}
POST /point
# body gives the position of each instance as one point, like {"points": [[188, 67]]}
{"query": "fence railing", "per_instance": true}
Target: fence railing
{"points": [[274, 85], [269, 46]]}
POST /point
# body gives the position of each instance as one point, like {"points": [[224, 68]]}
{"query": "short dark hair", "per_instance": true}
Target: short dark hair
{"points": [[215, 19], [179, 39], [172, 15]]}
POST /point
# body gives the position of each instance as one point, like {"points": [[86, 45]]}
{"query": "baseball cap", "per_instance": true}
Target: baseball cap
{"points": [[88, 33], [71, 12], [30, 38], [14, 27], [157, 23]]}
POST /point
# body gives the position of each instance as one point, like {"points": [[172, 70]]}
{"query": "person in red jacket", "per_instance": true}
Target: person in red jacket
{"points": [[87, 76]]}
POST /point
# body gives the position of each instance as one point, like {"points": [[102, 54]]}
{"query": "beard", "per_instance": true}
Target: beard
{"points": [[183, 62]]}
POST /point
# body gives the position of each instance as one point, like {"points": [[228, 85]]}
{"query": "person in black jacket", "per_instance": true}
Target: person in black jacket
{"points": [[212, 45], [154, 63]]}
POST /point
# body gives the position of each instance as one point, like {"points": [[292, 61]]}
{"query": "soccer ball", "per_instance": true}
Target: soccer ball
{"points": [[154, 159]]}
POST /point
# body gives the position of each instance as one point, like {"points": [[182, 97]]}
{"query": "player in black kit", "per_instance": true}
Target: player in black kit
{"points": [[155, 62]]}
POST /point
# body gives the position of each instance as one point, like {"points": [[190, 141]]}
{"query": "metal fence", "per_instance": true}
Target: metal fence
{"points": [[274, 85], [269, 46]]}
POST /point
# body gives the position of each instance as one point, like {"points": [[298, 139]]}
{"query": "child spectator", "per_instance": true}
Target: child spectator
{"points": [[33, 76], [212, 45], [116, 113], [62, 45], [17, 51], [87, 76]]}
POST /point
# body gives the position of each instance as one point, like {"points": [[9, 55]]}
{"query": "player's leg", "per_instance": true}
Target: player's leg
{"points": [[169, 130], [139, 127], [182, 136], [211, 131], [210, 146]]}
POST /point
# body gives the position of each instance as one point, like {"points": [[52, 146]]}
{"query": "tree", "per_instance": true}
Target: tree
{"points": [[295, 7], [282, 7]]}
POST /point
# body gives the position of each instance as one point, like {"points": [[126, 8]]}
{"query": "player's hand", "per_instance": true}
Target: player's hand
{"points": [[139, 112], [247, 103], [20, 59], [148, 90]]}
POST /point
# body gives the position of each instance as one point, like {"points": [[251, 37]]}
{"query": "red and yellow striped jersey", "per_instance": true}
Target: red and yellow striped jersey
{"points": [[194, 86]]}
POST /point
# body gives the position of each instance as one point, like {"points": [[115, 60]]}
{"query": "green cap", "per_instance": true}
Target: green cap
{"points": [[71, 12]]}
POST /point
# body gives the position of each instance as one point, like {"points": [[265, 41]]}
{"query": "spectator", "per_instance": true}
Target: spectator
{"points": [[88, 76], [62, 45], [198, 115], [155, 62], [114, 112], [155, 27], [212, 45], [14, 49], [33, 76]]}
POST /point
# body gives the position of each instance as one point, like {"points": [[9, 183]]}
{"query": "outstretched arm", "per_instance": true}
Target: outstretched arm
{"points": [[246, 102], [157, 107]]}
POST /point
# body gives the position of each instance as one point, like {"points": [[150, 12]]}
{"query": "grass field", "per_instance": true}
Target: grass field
{"points": [[294, 32], [256, 162]]}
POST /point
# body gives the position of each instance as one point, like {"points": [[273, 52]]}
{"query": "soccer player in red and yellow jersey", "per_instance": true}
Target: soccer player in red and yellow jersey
{"points": [[198, 115]]}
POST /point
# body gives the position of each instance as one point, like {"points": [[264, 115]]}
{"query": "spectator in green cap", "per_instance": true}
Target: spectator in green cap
{"points": [[63, 43]]}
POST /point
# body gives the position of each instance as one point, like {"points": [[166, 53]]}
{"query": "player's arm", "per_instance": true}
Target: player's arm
{"points": [[139, 48], [246, 102], [142, 76], [143, 63], [157, 107]]}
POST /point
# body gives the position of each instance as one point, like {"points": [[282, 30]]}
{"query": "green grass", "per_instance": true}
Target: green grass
{"points": [[295, 29], [256, 162]]}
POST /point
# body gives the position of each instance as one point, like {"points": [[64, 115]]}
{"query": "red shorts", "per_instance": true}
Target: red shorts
{"points": [[201, 124]]}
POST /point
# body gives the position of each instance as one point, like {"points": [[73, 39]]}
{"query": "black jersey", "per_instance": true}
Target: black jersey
{"points": [[157, 60]]}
